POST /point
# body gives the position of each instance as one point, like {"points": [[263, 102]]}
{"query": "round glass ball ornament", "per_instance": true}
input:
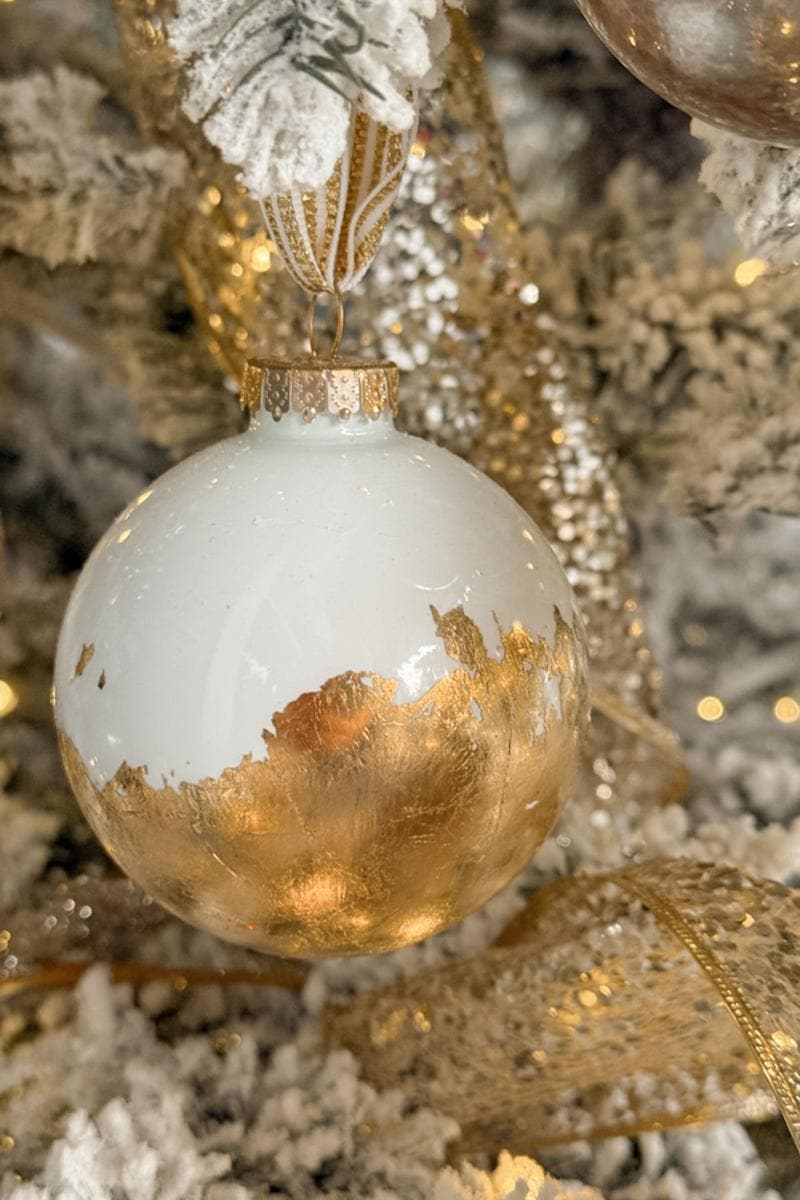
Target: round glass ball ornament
{"points": [[735, 63], [320, 689]]}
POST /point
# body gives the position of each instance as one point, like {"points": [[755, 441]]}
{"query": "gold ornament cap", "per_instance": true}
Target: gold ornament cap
{"points": [[340, 389]]}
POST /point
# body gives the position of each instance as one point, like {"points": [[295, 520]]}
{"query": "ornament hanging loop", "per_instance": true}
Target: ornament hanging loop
{"points": [[311, 320]]}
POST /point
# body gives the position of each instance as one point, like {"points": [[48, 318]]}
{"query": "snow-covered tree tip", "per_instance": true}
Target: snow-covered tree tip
{"points": [[758, 185], [273, 81]]}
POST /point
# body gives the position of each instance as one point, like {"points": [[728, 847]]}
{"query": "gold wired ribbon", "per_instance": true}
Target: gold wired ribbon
{"points": [[657, 996], [82, 922], [605, 1008]]}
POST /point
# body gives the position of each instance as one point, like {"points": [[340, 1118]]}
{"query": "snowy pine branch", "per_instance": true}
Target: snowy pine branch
{"points": [[71, 192], [759, 187], [696, 373], [273, 81]]}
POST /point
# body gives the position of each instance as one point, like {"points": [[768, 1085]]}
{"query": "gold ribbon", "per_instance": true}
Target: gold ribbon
{"points": [[85, 921], [605, 1008], [660, 995]]}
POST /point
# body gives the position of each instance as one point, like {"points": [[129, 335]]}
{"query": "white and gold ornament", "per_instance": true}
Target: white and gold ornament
{"points": [[320, 688]]}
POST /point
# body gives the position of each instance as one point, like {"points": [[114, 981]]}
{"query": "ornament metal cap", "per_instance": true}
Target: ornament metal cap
{"points": [[314, 387]]}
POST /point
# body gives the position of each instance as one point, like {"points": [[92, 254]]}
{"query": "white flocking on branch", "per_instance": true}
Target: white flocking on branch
{"points": [[273, 81]]}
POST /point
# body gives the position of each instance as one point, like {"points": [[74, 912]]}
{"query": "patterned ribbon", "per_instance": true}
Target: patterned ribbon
{"points": [[605, 1008], [329, 237]]}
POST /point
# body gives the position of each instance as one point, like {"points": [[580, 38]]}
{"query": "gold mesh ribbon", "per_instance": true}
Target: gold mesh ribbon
{"points": [[604, 1009], [80, 922]]}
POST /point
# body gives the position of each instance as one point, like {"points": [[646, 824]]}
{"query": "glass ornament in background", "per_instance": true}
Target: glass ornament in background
{"points": [[320, 688], [735, 63], [453, 297]]}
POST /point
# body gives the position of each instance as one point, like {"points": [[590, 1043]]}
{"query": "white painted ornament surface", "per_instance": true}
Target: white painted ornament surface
{"points": [[273, 561]]}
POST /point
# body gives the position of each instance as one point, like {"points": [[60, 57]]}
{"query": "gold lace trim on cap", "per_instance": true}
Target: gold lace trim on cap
{"points": [[340, 389]]}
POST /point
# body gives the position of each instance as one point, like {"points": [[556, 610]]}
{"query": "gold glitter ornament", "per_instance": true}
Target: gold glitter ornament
{"points": [[735, 63], [321, 688]]}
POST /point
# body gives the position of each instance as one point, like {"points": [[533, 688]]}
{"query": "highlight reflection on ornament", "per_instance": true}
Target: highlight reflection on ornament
{"points": [[735, 63]]}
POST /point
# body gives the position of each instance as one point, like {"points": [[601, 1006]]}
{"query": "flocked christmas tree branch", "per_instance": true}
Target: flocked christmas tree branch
{"points": [[273, 81], [208, 1096], [758, 185]]}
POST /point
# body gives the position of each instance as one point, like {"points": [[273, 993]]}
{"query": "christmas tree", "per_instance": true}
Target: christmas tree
{"points": [[599, 309]]}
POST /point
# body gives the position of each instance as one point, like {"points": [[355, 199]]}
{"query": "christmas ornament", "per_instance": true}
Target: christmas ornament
{"points": [[734, 63], [360, 720], [320, 688]]}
